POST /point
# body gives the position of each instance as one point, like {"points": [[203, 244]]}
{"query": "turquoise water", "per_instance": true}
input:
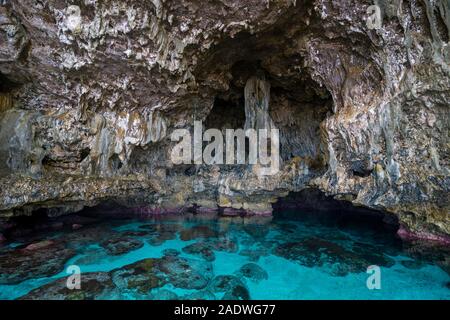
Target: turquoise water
{"points": [[205, 257]]}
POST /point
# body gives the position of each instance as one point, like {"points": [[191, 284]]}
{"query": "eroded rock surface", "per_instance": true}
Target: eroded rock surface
{"points": [[90, 92]]}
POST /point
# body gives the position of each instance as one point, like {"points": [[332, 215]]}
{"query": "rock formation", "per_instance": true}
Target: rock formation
{"points": [[90, 92]]}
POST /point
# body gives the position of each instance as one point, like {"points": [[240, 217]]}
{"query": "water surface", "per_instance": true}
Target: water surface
{"points": [[205, 257]]}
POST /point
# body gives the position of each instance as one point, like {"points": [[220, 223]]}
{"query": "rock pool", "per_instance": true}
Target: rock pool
{"points": [[210, 257]]}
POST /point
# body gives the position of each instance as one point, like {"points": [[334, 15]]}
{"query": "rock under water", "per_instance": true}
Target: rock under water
{"points": [[297, 259]]}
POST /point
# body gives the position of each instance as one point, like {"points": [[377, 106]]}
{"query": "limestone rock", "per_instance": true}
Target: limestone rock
{"points": [[91, 92]]}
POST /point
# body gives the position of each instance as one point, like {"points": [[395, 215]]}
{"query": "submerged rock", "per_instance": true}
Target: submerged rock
{"points": [[22, 264], [171, 252], [197, 232], [120, 246], [224, 244], [253, 272], [161, 233], [232, 286], [199, 295], [253, 255], [412, 264], [238, 292], [224, 283], [90, 235], [163, 294], [332, 257], [94, 286], [186, 273], [141, 277], [150, 227], [429, 252], [257, 231], [152, 273], [202, 249], [92, 256]]}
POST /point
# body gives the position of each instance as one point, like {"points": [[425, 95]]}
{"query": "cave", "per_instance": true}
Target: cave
{"points": [[93, 93], [314, 206], [297, 107]]}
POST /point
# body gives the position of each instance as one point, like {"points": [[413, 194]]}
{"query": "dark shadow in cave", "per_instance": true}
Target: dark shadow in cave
{"points": [[7, 85], [313, 207], [297, 107]]}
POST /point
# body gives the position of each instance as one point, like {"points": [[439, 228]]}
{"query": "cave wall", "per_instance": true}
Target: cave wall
{"points": [[91, 90]]}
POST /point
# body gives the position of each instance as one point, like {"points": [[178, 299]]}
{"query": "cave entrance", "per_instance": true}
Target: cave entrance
{"points": [[314, 207], [296, 105]]}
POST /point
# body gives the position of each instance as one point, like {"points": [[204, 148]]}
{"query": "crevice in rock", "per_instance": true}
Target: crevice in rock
{"points": [[7, 85], [84, 153], [442, 28], [227, 112]]}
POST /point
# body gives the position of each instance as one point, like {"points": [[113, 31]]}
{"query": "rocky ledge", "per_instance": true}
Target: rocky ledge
{"points": [[90, 92]]}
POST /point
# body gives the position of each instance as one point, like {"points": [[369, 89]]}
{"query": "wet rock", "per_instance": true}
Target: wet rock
{"points": [[118, 246], [39, 245], [202, 249], [94, 286], [197, 232], [253, 272], [77, 226], [42, 261]]}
